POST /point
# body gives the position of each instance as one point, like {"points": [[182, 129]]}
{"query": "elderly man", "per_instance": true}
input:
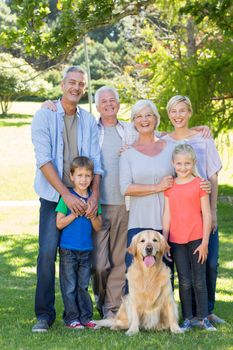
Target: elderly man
{"points": [[59, 136], [110, 241]]}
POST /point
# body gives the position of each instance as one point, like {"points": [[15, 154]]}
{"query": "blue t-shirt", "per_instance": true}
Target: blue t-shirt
{"points": [[78, 234]]}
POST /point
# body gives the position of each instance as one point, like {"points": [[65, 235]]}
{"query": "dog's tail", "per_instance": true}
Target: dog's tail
{"points": [[106, 323]]}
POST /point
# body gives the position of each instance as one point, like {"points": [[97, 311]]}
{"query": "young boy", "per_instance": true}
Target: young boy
{"points": [[75, 249]]}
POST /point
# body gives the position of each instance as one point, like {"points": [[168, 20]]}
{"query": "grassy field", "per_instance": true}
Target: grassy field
{"points": [[18, 253]]}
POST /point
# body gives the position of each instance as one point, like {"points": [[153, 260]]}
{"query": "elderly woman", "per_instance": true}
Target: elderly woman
{"points": [[145, 172], [179, 110]]}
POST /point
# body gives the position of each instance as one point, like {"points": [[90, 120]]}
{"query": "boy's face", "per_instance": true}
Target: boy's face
{"points": [[81, 178]]}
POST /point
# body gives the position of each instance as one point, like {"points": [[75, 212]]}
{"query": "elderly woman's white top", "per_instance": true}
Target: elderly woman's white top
{"points": [[138, 168]]}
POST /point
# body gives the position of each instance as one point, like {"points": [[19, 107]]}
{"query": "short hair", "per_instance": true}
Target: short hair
{"points": [[145, 103], [177, 99], [78, 69], [82, 162], [106, 89], [184, 148]]}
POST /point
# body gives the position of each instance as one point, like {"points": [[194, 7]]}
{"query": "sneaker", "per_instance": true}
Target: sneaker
{"points": [[215, 319], [186, 325], [195, 322], [205, 324], [90, 324], [40, 327], [75, 325]]}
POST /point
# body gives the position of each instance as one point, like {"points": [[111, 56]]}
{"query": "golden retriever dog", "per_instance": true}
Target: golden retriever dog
{"points": [[150, 303]]}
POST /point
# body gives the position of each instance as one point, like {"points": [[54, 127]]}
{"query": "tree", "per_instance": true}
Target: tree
{"points": [[47, 41], [188, 57], [18, 79]]}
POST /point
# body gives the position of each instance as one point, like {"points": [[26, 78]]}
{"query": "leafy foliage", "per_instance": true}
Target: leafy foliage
{"points": [[18, 79], [184, 57], [46, 40]]}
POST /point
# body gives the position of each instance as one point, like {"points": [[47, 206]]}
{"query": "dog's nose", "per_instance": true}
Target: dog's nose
{"points": [[149, 249]]}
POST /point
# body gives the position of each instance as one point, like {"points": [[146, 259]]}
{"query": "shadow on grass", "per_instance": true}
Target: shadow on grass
{"points": [[15, 116], [17, 272], [15, 119], [225, 190], [17, 289]]}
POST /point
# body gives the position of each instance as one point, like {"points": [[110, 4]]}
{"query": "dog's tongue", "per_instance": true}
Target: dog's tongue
{"points": [[149, 261]]}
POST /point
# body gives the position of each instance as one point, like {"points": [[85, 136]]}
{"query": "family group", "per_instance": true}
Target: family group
{"points": [[103, 181]]}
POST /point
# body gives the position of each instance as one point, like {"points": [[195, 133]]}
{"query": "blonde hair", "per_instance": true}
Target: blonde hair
{"points": [[186, 149], [177, 99]]}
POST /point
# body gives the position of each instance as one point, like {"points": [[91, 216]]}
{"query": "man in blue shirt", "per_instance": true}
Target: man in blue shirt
{"points": [[58, 137]]}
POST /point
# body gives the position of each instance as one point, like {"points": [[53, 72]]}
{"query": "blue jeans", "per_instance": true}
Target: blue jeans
{"points": [[75, 272], [191, 274], [49, 237], [212, 269], [129, 258]]}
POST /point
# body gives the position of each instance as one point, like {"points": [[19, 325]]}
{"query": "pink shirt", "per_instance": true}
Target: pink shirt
{"points": [[185, 209]]}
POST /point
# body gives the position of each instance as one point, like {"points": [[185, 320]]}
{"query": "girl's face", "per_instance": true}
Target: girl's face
{"points": [[183, 164], [81, 178], [179, 115], [145, 121]]}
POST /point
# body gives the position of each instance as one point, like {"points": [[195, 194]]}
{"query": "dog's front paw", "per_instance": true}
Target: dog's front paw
{"points": [[98, 324], [131, 332], [176, 329]]}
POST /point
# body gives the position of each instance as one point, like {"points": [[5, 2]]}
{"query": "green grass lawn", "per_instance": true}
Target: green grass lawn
{"points": [[18, 253]]}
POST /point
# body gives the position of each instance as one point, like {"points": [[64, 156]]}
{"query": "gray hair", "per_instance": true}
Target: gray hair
{"points": [[78, 69], [145, 103], [106, 89], [184, 148], [177, 99]]}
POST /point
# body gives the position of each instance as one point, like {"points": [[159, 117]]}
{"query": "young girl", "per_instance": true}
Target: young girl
{"points": [[180, 110], [75, 249], [187, 222]]}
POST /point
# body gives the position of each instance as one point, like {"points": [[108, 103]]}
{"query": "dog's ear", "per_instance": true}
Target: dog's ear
{"points": [[132, 249], [164, 247]]}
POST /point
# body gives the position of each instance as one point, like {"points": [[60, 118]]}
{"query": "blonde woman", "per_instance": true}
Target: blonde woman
{"points": [[179, 109]]}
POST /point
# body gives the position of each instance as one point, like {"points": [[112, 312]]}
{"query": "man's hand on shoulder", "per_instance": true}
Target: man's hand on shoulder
{"points": [[204, 130], [92, 206], [76, 205]]}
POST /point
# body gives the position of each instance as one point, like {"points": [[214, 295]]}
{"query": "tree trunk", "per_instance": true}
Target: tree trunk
{"points": [[191, 43]]}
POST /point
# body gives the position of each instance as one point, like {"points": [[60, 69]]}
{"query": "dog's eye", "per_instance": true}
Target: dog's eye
{"points": [[142, 240], [155, 240]]}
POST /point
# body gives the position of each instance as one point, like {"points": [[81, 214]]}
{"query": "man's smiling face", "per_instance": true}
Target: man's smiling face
{"points": [[108, 106], [73, 87]]}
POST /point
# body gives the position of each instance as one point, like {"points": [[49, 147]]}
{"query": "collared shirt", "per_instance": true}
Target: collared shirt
{"points": [[126, 131], [47, 138]]}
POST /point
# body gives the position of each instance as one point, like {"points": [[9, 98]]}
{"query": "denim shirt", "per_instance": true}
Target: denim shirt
{"points": [[47, 138]]}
